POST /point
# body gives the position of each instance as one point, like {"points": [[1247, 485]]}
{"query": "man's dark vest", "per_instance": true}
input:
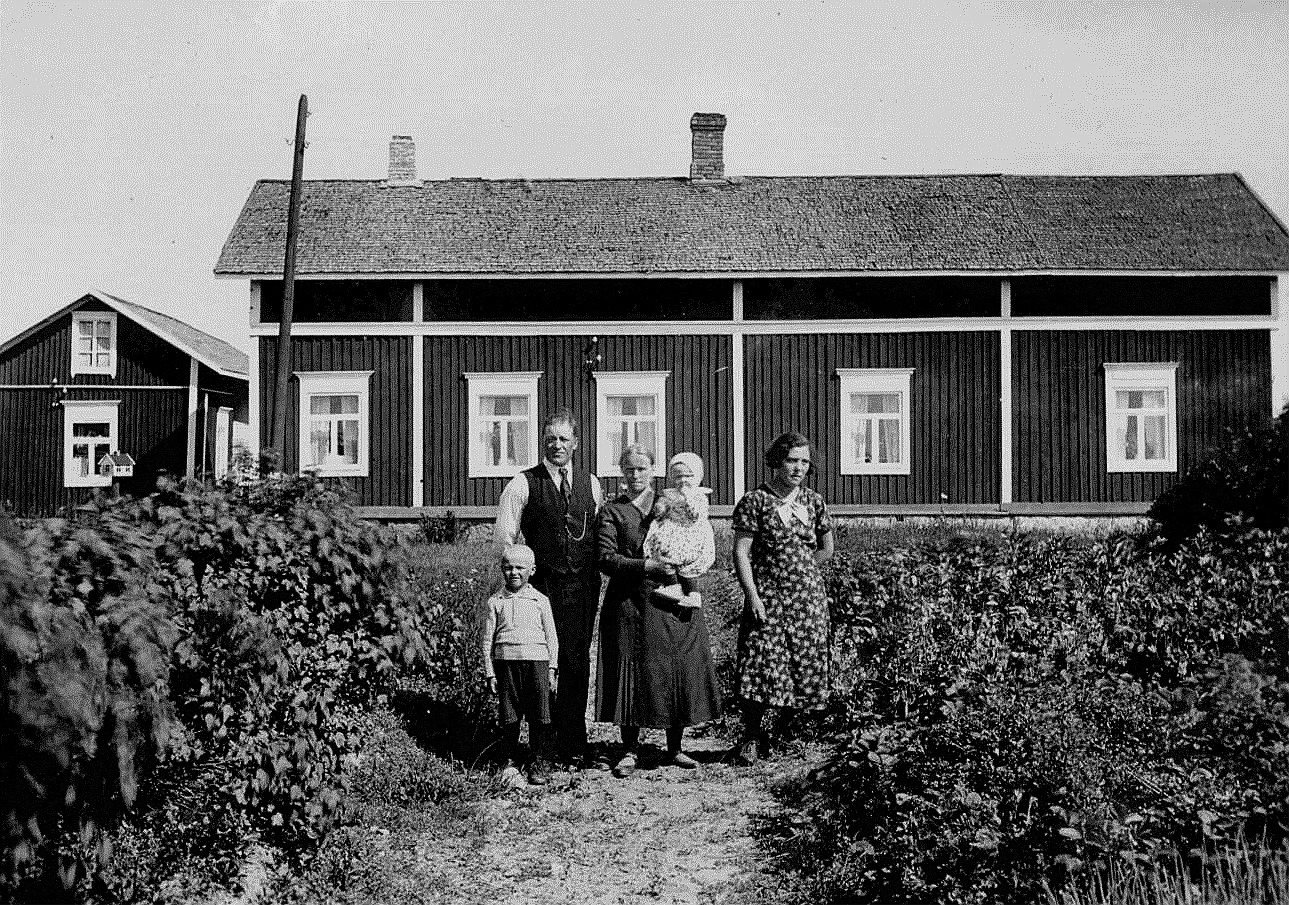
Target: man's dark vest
{"points": [[562, 536]]}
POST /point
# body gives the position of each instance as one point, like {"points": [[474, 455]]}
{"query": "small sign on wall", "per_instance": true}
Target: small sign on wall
{"points": [[116, 465]]}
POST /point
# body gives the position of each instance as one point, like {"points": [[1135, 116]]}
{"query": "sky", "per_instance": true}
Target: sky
{"points": [[132, 132]]}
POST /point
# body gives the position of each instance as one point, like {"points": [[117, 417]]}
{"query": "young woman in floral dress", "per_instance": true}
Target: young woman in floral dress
{"points": [[782, 532]]}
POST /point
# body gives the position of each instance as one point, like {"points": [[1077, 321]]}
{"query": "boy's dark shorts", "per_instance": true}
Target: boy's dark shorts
{"points": [[524, 687]]}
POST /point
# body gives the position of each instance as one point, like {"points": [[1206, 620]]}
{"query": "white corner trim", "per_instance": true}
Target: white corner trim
{"points": [[1005, 398], [739, 402], [190, 462]]}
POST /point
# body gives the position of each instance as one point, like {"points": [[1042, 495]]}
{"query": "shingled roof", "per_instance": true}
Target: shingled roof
{"points": [[761, 224], [215, 353]]}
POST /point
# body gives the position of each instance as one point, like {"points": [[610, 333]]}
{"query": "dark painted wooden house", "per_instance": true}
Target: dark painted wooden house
{"points": [[102, 376], [953, 344]]}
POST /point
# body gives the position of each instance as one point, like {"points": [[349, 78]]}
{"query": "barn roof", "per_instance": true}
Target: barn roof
{"points": [[215, 353], [759, 224]]}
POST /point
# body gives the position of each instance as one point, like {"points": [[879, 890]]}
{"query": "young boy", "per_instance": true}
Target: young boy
{"points": [[520, 653]]}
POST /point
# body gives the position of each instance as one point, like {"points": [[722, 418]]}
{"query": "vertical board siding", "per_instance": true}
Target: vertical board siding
{"points": [[142, 358], [153, 429], [1059, 405], [792, 384], [699, 401], [389, 479]]}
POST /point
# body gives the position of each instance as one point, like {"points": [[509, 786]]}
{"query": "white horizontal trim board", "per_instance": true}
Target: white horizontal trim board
{"points": [[769, 328], [87, 386], [985, 510], [736, 274]]}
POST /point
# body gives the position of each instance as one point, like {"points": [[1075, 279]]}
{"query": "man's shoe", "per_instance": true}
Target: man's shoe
{"points": [[539, 774], [749, 753], [625, 766], [682, 760]]}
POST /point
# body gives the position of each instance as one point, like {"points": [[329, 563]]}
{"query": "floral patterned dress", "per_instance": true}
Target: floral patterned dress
{"points": [[783, 661]]}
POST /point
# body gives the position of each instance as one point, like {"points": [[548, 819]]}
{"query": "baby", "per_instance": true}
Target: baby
{"points": [[680, 535]]}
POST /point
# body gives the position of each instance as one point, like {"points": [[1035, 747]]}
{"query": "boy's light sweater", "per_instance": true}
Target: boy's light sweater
{"points": [[519, 626]]}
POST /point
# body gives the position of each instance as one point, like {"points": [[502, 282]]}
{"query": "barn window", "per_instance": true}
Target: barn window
{"points": [[94, 342], [334, 422], [1141, 416], [875, 420], [89, 433], [630, 407], [503, 430]]}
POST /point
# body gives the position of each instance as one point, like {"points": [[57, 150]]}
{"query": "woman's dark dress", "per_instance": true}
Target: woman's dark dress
{"points": [[655, 660]]}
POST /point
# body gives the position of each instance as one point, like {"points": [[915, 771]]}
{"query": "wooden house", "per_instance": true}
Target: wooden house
{"points": [[967, 344], [106, 378]]}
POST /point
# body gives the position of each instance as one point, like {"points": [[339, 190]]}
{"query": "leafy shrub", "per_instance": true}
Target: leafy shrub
{"points": [[290, 623], [1248, 476], [85, 656], [1017, 712]]}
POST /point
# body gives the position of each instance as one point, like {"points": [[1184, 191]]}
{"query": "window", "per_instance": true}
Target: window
{"points": [[502, 423], [875, 421], [1141, 416], [89, 434], [93, 342], [630, 407], [334, 424]]}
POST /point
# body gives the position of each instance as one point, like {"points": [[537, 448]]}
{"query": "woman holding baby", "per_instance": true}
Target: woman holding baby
{"points": [[655, 657]]}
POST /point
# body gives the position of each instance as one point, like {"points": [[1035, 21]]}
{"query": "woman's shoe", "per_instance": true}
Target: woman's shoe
{"points": [[625, 766], [749, 753], [682, 760]]}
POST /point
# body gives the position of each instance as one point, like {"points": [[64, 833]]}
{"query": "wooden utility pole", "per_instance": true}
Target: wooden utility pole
{"points": [[277, 440]]}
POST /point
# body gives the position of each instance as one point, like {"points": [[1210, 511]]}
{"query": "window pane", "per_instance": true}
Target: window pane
{"points": [[319, 441], [1130, 448], [884, 402], [103, 360], [647, 436], [347, 431], [630, 405], [319, 405], [102, 343], [867, 442], [519, 441], [85, 328], [1153, 439], [91, 429], [617, 440], [888, 440], [492, 443], [103, 330], [80, 459], [1154, 399]]}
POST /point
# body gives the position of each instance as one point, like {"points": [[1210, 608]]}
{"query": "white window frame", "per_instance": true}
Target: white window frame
{"points": [[1147, 377], [628, 383], [875, 380], [81, 412], [336, 383], [515, 383], [80, 317]]}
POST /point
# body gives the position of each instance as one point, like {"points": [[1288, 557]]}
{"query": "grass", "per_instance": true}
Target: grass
{"points": [[1248, 875]]}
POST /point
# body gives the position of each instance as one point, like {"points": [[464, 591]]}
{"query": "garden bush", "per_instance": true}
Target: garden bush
{"points": [[84, 658], [1247, 476], [1017, 712]]}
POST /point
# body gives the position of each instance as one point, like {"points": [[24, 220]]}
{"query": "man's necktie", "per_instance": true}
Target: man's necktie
{"points": [[564, 487]]}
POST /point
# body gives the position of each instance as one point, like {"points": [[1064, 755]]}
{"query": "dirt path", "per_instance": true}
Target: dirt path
{"points": [[662, 835]]}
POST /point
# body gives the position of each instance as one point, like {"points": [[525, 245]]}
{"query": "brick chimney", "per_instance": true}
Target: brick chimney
{"points": [[402, 161], [708, 161]]}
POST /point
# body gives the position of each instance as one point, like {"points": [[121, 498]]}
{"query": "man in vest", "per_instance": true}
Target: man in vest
{"points": [[554, 506]]}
